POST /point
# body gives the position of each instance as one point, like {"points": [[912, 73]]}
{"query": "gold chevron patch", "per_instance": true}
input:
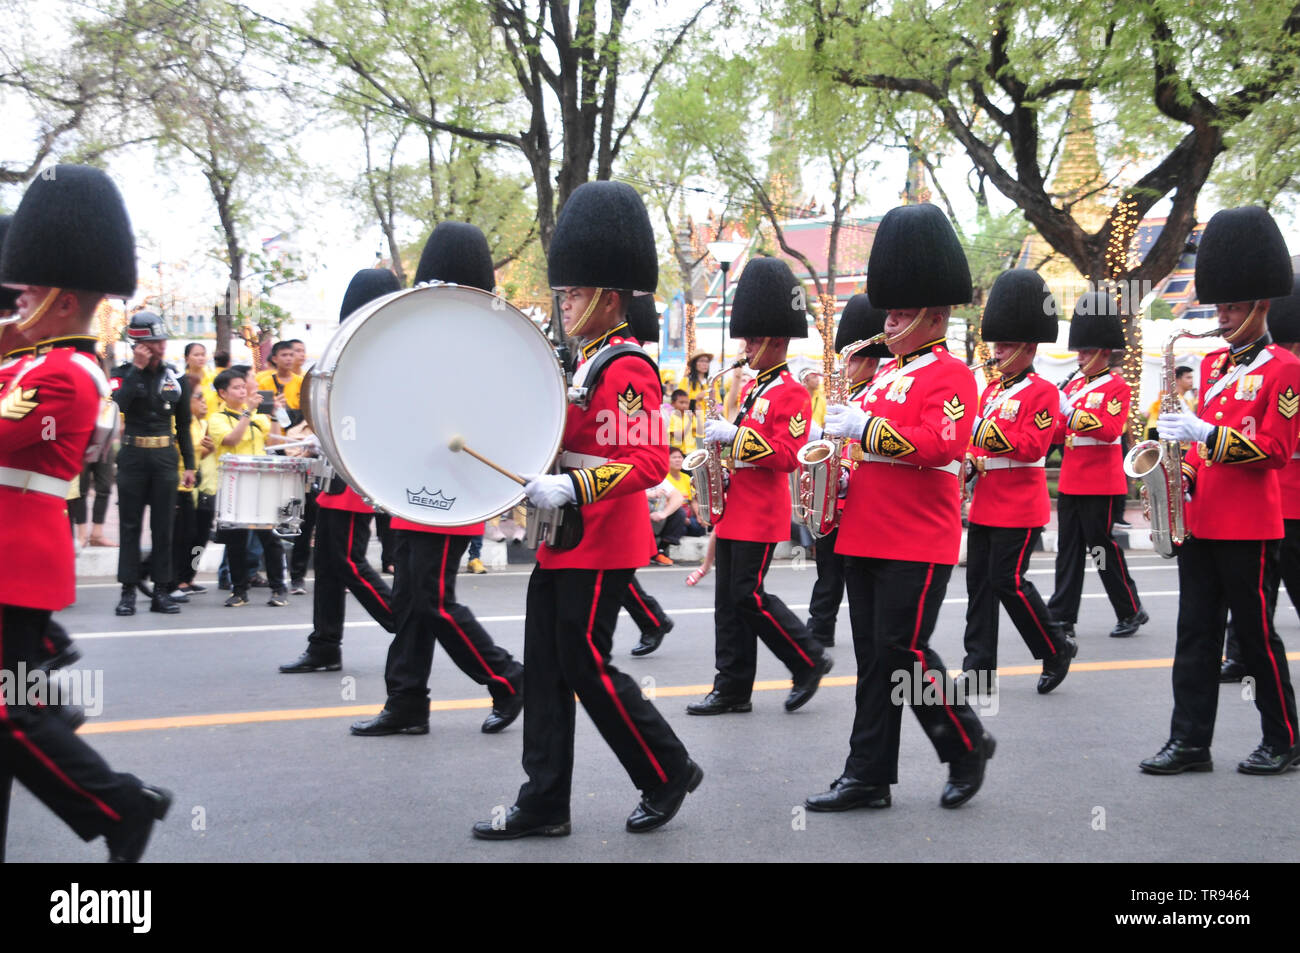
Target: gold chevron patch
{"points": [[605, 477], [750, 446], [1114, 407], [1084, 421], [1288, 403], [18, 403], [887, 441], [993, 439], [797, 426], [629, 402], [1042, 420], [1233, 447], [953, 409]]}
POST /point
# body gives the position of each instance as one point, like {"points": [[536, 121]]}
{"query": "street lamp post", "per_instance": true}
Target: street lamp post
{"points": [[724, 253]]}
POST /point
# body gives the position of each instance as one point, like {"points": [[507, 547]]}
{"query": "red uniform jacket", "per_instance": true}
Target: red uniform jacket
{"points": [[1288, 481], [49, 403], [1093, 463], [1254, 404], [616, 425], [776, 410], [922, 406], [474, 529], [1018, 418], [349, 500]]}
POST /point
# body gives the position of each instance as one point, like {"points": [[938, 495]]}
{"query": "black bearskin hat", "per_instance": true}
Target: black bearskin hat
{"points": [[916, 261], [71, 231], [770, 302], [1242, 257], [643, 319], [457, 252], [8, 296], [367, 285], [1284, 316], [1096, 323], [603, 239], [860, 321], [1020, 308]]}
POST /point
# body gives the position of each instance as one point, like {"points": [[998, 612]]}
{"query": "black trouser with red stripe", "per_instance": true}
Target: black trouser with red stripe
{"points": [[1083, 524], [743, 613], [1215, 575], [893, 606], [644, 608], [996, 561], [567, 640], [47, 756], [425, 609], [341, 567], [1288, 571], [828, 590]]}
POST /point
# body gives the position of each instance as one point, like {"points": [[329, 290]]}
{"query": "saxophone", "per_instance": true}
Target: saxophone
{"points": [[1159, 465], [704, 464], [816, 489]]}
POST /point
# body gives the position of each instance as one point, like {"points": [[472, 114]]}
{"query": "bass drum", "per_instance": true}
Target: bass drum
{"points": [[407, 372]]}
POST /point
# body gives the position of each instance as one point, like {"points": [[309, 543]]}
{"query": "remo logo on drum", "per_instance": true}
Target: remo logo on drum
{"points": [[434, 500]]}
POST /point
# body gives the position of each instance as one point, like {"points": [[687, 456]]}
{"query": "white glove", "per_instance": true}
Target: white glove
{"points": [[549, 490], [846, 420], [720, 431], [1185, 428], [1066, 407], [814, 433]]}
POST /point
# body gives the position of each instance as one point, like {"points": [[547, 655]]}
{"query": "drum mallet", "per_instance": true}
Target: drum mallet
{"points": [[457, 444]]}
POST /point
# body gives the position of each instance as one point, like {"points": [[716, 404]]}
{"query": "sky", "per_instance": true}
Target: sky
{"points": [[174, 218]]}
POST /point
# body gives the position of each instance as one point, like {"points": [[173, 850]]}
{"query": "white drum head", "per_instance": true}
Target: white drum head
{"points": [[407, 373]]}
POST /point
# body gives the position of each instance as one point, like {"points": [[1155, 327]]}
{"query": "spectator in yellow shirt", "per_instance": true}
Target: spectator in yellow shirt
{"points": [[281, 379], [681, 423], [812, 380], [195, 508], [235, 429]]}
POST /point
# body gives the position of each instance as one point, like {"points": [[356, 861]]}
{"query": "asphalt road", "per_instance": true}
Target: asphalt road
{"points": [[264, 769]]}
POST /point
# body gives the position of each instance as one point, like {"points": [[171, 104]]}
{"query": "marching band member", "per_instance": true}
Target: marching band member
{"points": [[1018, 415], [858, 322], [1243, 436], [601, 252], [69, 245], [772, 424], [900, 531], [427, 559], [1094, 412], [343, 533]]}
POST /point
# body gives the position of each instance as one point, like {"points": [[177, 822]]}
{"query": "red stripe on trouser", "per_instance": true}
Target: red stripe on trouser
{"points": [[1119, 556], [41, 756], [916, 635], [1272, 660], [644, 608], [609, 683], [1020, 569], [352, 566], [442, 611], [759, 602]]}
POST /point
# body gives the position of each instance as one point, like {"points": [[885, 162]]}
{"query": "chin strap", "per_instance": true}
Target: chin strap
{"points": [[1086, 369], [895, 338], [1251, 328], [586, 315], [1002, 366], [25, 323], [761, 348]]}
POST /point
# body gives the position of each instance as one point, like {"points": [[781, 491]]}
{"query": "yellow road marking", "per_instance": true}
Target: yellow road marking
{"points": [[466, 704]]}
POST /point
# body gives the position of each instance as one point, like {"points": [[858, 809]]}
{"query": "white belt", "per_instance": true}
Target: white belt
{"points": [[30, 482], [743, 465], [1093, 442], [953, 468], [580, 461], [1004, 464]]}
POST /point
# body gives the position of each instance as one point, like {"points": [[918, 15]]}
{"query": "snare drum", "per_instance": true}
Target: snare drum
{"points": [[407, 372], [261, 492]]}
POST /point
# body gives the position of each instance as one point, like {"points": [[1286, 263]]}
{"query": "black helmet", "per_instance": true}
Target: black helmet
{"points": [[367, 285], [1020, 308], [457, 252], [770, 302], [71, 231], [146, 326]]}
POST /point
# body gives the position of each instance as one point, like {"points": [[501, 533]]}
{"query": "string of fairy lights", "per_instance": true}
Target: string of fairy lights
{"points": [[1119, 260]]}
